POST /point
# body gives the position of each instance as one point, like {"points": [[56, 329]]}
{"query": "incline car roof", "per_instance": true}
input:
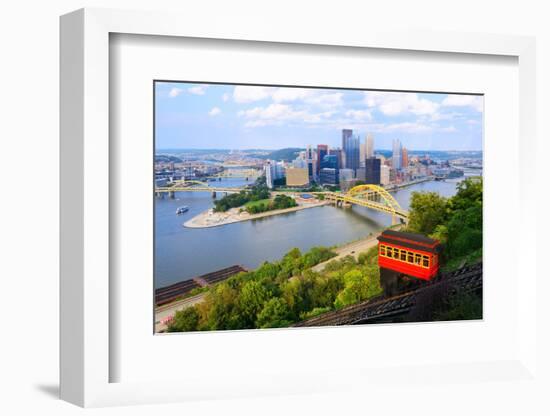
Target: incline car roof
{"points": [[411, 240]]}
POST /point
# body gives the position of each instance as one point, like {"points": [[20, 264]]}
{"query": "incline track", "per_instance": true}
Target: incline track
{"points": [[464, 280]]}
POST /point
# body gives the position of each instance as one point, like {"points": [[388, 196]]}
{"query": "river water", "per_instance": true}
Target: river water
{"points": [[182, 253]]}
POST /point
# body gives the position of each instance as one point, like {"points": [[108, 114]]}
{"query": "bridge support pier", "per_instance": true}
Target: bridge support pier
{"points": [[172, 195], [214, 195]]}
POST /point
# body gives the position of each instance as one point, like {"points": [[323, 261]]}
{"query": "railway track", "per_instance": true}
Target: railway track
{"points": [[464, 280], [168, 294]]}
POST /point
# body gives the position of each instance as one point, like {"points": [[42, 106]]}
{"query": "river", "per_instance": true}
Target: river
{"points": [[182, 253]]}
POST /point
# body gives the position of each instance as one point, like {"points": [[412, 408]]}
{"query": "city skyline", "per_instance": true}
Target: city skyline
{"points": [[237, 117]]}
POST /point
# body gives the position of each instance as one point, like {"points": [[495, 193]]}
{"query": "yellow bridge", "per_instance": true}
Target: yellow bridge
{"points": [[369, 196], [193, 186]]}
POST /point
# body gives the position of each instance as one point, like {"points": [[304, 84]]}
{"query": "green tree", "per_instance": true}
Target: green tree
{"points": [[465, 231], [359, 284], [275, 314], [185, 320], [427, 211], [251, 301], [469, 192], [219, 309]]}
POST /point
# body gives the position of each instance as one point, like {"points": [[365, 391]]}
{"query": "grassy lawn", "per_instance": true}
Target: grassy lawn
{"points": [[260, 202]]}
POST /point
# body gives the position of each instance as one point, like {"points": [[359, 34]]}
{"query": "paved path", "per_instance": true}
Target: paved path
{"points": [[170, 309]]}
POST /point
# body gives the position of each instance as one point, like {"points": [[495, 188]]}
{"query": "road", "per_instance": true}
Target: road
{"points": [[353, 249], [170, 309]]}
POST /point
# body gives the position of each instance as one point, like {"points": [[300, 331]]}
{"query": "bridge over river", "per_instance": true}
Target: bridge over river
{"points": [[370, 196]]}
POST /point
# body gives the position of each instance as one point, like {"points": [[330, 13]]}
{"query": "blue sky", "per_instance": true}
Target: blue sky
{"points": [[203, 116]]}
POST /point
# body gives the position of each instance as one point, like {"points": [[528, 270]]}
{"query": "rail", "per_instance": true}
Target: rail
{"points": [[466, 279]]}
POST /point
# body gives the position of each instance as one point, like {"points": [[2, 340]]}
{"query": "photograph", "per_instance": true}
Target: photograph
{"points": [[291, 206]]}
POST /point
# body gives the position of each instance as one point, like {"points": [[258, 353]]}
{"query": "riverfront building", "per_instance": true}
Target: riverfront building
{"points": [[339, 156], [350, 146], [369, 145], [384, 175], [311, 160], [330, 161], [396, 154], [372, 171], [297, 177], [404, 157], [329, 176], [361, 173], [273, 171], [322, 151], [362, 154], [269, 173]]}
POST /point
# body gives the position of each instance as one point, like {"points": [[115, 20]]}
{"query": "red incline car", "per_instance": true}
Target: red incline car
{"points": [[411, 254]]}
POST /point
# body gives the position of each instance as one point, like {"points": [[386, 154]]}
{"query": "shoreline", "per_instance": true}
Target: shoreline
{"points": [[207, 219]]}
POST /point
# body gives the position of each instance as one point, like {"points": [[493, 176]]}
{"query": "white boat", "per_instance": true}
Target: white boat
{"points": [[182, 210]]}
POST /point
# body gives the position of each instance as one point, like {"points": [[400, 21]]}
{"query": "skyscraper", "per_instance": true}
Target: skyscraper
{"points": [[369, 143], [384, 175], [311, 162], [322, 151], [404, 158], [350, 146], [339, 156], [372, 171], [268, 168], [329, 176], [330, 161], [396, 154]]}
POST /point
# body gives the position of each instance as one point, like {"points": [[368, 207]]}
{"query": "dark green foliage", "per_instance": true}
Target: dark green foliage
{"points": [[275, 314], [185, 320], [428, 210], [258, 192], [457, 222], [460, 307], [279, 202]]}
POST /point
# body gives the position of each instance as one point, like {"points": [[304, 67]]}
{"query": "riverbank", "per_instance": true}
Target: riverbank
{"points": [[208, 219], [394, 188]]}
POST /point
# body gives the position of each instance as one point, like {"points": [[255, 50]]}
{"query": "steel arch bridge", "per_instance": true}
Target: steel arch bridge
{"points": [[193, 186], [371, 196]]}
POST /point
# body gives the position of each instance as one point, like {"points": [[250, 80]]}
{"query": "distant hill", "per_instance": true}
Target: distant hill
{"points": [[288, 154], [167, 158]]}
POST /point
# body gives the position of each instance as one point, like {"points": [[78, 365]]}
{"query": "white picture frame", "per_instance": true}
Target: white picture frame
{"points": [[85, 259]]}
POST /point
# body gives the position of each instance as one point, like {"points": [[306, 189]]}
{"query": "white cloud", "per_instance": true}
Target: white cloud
{"points": [[395, 103], [454, 100], [197, 90], [448, 129], [248, 94], [174, 92], [214, 112], [277, 114], [280, 95], [359, 115], [329, 100], [225, 97], [408, 127]]}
